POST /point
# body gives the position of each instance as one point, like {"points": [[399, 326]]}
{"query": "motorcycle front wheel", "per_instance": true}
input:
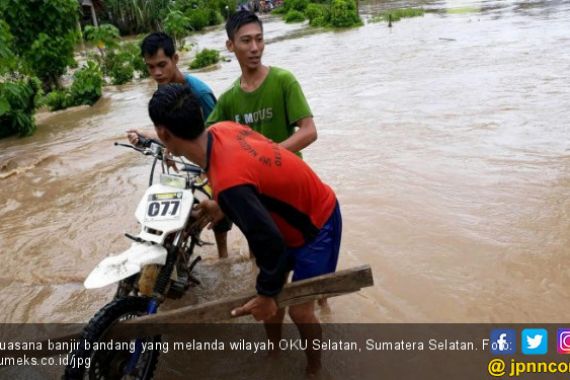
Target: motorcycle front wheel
{"points": [[88, 363]]}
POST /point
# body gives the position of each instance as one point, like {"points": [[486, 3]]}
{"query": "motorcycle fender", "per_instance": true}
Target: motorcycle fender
{"points": [[115, 268]]}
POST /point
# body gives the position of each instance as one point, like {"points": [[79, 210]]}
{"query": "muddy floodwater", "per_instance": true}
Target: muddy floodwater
{"points": [[445, 137]]}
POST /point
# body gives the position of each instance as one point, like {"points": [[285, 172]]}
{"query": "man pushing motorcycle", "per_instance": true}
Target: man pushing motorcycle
{"points": [[290, 218]]}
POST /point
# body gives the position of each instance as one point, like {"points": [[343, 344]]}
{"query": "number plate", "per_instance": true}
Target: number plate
{"points": [[163, 206]]}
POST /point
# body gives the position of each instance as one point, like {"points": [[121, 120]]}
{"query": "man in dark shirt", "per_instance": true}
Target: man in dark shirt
{"points": [[290, 218], [159, 52]]}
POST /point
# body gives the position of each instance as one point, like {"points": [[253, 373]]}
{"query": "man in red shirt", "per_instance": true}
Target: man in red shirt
{"points": [[290, 218]]}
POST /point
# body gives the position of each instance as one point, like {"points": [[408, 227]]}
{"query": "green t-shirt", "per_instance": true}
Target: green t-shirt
{"points": [[272, 109]]}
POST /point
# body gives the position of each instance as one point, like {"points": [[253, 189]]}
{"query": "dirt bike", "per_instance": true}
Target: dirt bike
{"points": [[157, 266]]}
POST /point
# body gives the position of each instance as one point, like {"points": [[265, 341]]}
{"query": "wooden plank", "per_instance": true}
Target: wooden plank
{"points": [[329, 285]]}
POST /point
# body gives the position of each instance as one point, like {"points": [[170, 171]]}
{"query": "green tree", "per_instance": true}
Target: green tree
{"points": [[18, 98], [49, 58], [18, 92], [41, 25], [7, 57], [104, 37], [176, 25], [137, 16]]}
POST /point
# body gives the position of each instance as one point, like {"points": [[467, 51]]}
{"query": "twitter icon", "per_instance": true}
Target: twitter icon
{"points": [[534, 341]]}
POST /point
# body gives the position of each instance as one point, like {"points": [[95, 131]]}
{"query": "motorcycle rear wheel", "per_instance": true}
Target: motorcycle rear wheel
{"points": [[110, 364]]}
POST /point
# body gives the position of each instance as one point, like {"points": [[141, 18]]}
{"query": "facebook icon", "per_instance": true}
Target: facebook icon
{"points": [[503, 342]]}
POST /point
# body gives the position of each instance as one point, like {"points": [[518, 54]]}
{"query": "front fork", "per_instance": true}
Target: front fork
{"points": [[159, 291], [133, 360]]}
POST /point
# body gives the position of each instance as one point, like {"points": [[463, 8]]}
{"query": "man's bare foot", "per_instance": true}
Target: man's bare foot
{"points": [[324, 305], [312, 370]]}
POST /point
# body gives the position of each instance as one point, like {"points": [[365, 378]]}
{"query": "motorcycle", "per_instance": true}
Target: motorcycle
{"points": [[157, 266]]}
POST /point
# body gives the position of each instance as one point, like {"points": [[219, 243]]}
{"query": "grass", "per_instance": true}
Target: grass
{"points": [[397, 14], [463, 10]]}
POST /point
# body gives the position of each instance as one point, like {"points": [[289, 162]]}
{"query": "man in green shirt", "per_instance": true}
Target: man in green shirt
{"points": [[268, 99], [271, 102]]}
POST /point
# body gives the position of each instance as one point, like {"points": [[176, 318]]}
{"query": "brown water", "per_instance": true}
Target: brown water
{"points": [[445, 138]]}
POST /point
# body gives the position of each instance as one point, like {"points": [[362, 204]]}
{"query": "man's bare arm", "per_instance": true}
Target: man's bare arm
{"points": [[303, 137]]}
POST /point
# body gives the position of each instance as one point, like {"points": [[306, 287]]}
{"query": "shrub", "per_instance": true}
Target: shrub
{"points": [[205, 58], [87, 84], [313, 11], [344, 14], [58, 100], [214, 17], [119, 66], [122, 71], [18, 100], [294, 16], [199, 18], [86, 89], [133, 49], [279, 10], [319, 22], [297, 5], [318, 15]]}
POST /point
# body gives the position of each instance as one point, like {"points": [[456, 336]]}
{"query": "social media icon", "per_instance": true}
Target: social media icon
{"points": [[534, 341], [503, 342], [563, 341]]}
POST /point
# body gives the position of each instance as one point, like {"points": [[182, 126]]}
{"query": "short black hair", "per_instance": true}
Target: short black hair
{"points": [[239, 19], [155, 41], [174, 107]]}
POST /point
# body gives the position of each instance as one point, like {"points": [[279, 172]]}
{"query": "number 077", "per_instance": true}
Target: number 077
{"points": [[162, 208]]}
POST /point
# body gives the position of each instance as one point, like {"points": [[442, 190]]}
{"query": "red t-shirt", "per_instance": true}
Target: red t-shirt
{"points": [[287, 186], [269, 193]]}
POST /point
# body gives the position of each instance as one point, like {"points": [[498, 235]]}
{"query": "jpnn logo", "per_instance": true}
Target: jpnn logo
{"points": [[534, 341], [503, 342], [563, 341]]}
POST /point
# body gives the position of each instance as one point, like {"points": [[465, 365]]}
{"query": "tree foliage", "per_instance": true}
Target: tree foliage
{"points": [[44, 33], [343, 14], [17, 104], [105, 36], [86, 89], [176, 25], [328, 13], [49, 58], [136, 16], [294, 16]]}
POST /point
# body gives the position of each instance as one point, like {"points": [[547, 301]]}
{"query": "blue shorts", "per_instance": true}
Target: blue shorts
{"points": [[320, 255]]}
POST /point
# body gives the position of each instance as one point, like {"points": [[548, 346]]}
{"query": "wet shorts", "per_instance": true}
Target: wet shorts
{"points": [[320, 255]]}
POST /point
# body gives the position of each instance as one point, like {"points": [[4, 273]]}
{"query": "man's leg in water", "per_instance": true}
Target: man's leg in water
{"points": [[222, 244], [310, 329], [273, 328]]}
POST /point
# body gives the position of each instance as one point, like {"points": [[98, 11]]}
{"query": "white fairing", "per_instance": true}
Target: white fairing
{"points": [[163, 225], [115, 268], [162, 210]]}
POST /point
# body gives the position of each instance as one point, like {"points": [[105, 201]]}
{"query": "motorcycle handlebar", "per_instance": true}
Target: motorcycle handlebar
{"points": [[158, 153]]}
